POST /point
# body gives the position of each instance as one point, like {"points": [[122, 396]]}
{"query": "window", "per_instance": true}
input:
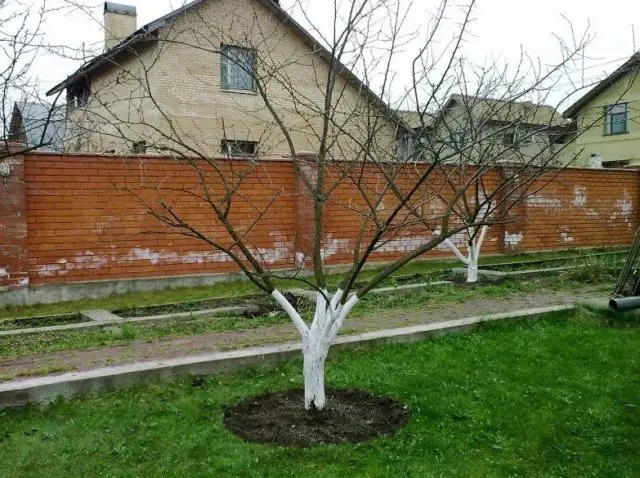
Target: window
{"points": [[403, 146], [239, 149], [237, 67], [616, 119], [139, 147], [518, 137], [78, 93]]}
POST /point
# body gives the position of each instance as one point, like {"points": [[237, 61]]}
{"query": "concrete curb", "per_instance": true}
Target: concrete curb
{"points": [[517, 273], [44, 390], [233, 311]]}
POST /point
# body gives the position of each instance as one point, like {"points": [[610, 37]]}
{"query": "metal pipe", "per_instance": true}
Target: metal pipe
{"points": [[624, 303]]}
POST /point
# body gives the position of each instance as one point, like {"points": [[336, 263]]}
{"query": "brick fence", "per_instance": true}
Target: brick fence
{"points": [[74, 218]]}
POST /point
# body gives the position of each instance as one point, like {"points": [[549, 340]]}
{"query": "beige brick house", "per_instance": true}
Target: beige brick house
{"points": [[217, 76]]}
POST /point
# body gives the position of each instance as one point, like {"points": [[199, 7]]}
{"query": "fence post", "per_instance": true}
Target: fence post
{"points": [[305, 167], [14, 257]]}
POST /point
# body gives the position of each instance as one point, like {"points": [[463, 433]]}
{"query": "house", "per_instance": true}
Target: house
{"points": [[606, 124], [514, 130], [38, 125], [217, 77], [482, 128]]}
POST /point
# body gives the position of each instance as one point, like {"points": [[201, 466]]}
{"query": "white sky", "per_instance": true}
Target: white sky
{"points": [[500, 29]]}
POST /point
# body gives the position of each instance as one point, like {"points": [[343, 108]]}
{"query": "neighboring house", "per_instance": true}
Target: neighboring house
{"points": [[483, 129], [192, 79], [38, 125], [514, 130], [412, 139], [606, 121]]}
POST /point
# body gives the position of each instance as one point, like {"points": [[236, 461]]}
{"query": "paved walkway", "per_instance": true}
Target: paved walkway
{"points": [[239, 339]]}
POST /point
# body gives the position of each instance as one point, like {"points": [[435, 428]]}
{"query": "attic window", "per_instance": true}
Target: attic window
{"points": [[616, 119], [239, 149], [78, 93], [237, 68]]}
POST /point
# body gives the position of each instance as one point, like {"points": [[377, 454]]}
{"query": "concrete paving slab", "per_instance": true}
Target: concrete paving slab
{"points": [[99, 315]]}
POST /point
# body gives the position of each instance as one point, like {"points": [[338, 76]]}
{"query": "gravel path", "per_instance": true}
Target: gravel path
{"points": [[37, 364]]}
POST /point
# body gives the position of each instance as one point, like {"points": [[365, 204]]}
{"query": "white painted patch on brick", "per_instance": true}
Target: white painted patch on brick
{"points": [[512, 239], [299, 258], [565, 237], [625, 206], [403, 244], [579, 196], [334, 247], [539, 200], [89, 260], [3, 272]]}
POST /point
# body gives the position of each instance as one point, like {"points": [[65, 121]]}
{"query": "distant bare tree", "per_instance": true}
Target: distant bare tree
{"points": [[340, 136], [29, 122]]}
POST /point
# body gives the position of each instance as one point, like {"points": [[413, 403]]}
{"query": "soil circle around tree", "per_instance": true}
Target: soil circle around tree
{"points": [[351, 416]]}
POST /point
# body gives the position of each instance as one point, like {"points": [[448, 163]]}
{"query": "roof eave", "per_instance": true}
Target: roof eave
{"points": [[628, 65]]}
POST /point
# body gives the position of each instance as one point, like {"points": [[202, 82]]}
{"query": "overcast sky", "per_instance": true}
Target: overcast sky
{"points": [[500, 29]]}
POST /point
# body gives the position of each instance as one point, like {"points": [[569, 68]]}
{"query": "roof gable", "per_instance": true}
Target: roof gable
{"points": [[631, 64], [149, 31], [504, 111]]}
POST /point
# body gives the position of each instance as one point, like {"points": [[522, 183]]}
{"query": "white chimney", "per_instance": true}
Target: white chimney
{"points": [[596, 161], [120, 21]]}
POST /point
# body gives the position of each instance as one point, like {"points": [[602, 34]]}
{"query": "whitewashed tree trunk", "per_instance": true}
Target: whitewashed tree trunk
{"points": [[473, 254], [316, 340], [472, 265]]}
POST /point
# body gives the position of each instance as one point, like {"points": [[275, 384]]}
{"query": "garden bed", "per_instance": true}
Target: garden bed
{"points": [[616, 257], [194, 306], [36, 322]]}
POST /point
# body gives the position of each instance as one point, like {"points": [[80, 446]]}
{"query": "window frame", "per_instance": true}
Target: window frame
{"points": [[227, 151], [79, 93], [518, 137], [609, 116], [227, 62]]}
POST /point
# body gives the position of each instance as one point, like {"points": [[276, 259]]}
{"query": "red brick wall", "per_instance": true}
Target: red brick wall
{"points": [[582, 208], [14, 257], [85, 221]]}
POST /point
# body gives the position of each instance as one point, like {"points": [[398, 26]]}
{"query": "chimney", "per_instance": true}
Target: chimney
{"points": [[120, 21]]}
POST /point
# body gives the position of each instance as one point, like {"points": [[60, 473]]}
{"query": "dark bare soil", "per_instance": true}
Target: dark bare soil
{"points": [[191, 306], [351, 416]]}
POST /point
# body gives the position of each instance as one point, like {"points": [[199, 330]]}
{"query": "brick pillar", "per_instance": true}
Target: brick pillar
{"points": [[14, 259], [513, 221], [305, 164]]}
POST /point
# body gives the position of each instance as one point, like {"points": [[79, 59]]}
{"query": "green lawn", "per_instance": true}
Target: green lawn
{"points": [[555, 397]]}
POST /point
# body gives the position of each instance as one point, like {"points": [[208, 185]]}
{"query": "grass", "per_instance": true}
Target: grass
{"points": [[24, 345], [554, 397], [430, 268], [417, 299], [597, 271]]}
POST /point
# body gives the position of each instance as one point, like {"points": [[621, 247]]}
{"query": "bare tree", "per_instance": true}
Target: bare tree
{"points": [[29, 122], [305, 100]]}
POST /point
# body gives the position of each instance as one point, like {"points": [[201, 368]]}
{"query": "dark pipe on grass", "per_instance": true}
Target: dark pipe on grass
{"points": [[624, 303]]}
